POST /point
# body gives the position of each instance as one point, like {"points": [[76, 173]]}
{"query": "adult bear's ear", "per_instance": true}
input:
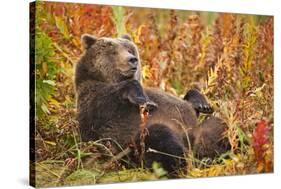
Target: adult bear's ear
{"points": [[126, 36], [88, 40]]}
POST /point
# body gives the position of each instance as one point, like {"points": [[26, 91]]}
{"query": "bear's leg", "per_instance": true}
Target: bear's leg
{"points": [[198, 101], [163, 146], [210, 139], [132, 91]]}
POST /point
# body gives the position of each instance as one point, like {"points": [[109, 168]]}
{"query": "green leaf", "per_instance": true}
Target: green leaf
{"points": [[119, 20], [50, 82], [61, 25], [85, 154], [158, 170], [45, 109]]}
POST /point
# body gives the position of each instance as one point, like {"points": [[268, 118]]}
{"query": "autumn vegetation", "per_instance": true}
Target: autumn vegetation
{"points": [[228, 56]]}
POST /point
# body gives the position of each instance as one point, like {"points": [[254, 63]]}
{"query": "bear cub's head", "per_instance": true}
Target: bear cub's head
{"points": [[109, 59]]}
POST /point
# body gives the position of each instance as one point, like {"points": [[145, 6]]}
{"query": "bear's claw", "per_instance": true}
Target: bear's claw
{"points": [[149, 106]]}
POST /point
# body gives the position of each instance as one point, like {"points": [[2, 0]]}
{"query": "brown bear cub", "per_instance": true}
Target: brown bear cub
{"points": [[109, 96]]}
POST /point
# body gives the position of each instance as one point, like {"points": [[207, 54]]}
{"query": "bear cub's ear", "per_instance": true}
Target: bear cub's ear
{"points": [[126, 36], [88, 40]]}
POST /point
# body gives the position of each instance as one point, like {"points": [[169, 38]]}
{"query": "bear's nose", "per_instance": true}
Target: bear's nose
{"points": [[133, 60]]}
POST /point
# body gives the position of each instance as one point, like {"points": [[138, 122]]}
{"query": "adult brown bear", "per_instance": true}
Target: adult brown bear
{"points": [[109, 95]]}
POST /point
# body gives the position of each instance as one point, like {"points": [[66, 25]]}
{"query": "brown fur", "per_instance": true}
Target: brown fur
{"points": [[109, 95], [210, 138]]}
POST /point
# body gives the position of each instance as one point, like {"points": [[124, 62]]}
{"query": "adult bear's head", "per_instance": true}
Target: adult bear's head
{"points": [[108, 59]]}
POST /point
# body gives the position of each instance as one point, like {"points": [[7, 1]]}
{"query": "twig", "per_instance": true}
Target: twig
{"points": [[171, 155], [163, 153], [185, 130], [118, 157], [144, 117], [43, 167], [63, 53]]}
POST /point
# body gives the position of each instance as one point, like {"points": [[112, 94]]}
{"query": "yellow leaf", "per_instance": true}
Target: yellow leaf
{"points": [[54, 102], [45, 68], [51, 143]]}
